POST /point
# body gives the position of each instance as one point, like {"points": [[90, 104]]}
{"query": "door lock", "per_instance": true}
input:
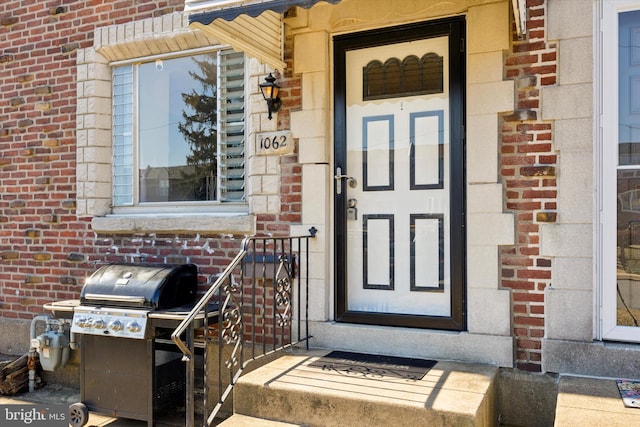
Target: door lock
{"points": [[352, 210]]}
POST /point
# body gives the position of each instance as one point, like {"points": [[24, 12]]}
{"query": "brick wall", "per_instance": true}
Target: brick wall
{"points": [[528, 167], [46, 249], [290, 171]]}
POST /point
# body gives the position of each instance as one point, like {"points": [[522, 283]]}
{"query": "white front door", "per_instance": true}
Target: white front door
{"points": [[399, 179]]}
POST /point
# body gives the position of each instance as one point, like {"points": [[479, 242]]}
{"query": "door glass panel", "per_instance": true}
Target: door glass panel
{"points": [[628, 174], [398, 151]]}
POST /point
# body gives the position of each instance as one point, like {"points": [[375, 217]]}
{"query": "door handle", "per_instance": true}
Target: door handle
{"points": [[353, 183], [339, 176]]}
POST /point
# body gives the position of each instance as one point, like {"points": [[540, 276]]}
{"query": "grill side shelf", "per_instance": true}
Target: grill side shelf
{"points": [[62, 309]]}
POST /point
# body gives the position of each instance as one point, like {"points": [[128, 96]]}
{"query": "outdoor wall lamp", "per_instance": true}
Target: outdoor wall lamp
{"points": [[270, 91]]}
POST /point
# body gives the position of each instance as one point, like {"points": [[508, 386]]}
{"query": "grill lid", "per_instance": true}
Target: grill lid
{"points": [[155, 286]]}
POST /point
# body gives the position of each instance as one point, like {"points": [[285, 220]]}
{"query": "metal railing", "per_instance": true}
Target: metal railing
{"points": [[256, 307]]}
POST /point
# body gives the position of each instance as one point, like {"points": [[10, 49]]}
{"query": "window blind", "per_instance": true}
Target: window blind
{"points": [[231, 126]]}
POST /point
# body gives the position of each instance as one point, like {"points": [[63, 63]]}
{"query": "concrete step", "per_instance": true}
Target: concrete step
{"points": [[238, 420], [292, 390], [593, 402]]}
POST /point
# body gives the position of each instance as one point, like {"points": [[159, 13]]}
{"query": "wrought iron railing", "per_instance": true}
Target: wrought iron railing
{"points": [[256, 307]]}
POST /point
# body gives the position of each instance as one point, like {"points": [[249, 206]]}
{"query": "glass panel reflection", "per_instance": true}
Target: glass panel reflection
{"points": [[177, 129], [628, 175], [628, 256]]}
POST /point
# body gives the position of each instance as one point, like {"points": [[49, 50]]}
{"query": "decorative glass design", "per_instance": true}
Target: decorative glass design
{"points": [[378, 153], [427, 252], [378, 247], [409, 77]]}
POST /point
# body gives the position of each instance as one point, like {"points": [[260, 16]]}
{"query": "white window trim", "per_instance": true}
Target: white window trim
{"points": [[162, 208], [606, 151], [113, 45]]}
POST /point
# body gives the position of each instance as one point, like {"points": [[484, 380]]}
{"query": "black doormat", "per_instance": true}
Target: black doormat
{"points": [[374, 366]]}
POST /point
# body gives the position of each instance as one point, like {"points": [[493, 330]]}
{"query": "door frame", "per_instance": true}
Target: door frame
{"points": [[454, 28], [607, 119]]}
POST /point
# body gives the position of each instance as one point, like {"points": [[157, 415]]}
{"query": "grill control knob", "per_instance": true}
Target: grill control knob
{"points": [[133, 327], [115, 325], [98, 324], [81, 322]]}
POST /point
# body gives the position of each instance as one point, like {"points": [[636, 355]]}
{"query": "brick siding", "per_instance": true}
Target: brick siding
{"points": [[46, 249], [528, 168]]}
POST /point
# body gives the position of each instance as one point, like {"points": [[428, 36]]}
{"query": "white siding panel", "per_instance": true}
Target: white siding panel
{"points": [[259, 37]]}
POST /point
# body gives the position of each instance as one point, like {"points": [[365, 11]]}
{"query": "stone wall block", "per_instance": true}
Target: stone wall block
{"points": [[567, 102], [484, 198], [487, 28], [566, 240], [569, 19], [311, 51], [569, 323], [574, 187], [575, 58], [308, 124], [482, 148], [573, 274], [488, 98], [315, 193], [489, 311], [490, 229], [482, 266]]}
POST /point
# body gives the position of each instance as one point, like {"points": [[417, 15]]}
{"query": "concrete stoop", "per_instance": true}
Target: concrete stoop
{"points": [[593, 402], [289, 391]]}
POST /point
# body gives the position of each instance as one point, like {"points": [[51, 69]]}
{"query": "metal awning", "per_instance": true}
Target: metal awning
{"points": [[255, 26], [251, 26], [250, 8]]}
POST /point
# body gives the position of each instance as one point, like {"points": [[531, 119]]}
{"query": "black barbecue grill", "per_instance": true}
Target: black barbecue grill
{"points": [[126, 313]]}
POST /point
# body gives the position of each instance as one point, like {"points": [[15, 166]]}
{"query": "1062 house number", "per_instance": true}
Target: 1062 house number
{"points": [[274, 143]]}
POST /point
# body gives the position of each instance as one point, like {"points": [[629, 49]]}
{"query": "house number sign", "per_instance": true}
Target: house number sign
{"points": [[274, 143]]}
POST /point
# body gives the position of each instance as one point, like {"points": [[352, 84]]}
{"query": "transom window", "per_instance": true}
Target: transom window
{"points": [[410, 77], [179, 130]]}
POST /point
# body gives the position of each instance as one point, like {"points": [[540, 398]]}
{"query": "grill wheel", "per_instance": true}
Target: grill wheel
{"points": [[78, 414]]}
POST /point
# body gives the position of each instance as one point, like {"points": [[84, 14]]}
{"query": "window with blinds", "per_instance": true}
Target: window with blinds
{"points": [[123, 135], [232, 126], [179, 130]]}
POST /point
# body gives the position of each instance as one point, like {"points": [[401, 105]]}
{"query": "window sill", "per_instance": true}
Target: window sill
{"points": [[235, 223]]}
